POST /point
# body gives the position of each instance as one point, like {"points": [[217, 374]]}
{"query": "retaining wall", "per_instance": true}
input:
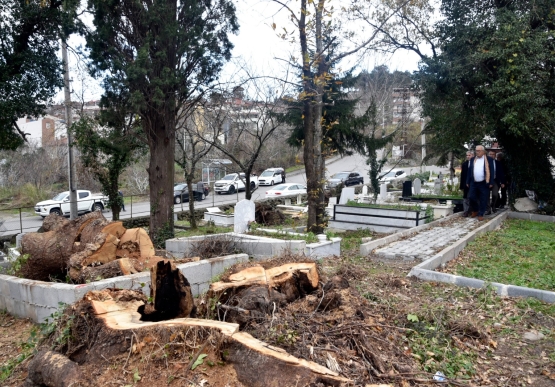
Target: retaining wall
{"points": [[256, 246], [37, 300]]}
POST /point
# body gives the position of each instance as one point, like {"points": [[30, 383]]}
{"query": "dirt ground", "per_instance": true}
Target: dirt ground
{"points": [[384, 328]]}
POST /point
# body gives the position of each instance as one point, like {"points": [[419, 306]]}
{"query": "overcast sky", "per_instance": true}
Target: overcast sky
{"points": [[256, 44]]}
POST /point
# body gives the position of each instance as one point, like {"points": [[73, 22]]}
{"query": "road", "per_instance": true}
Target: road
{"points": [[31, 222]]}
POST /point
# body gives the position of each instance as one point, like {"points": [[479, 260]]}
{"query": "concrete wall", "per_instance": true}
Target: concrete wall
{"points": [[257, 247], [37, 300]]}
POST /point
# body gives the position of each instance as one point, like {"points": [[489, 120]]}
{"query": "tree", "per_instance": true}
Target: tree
{"points": [[250, 124], [110, 143], [495, 77], [166, 52], [191, 149], [30, 71], [323, 43]]}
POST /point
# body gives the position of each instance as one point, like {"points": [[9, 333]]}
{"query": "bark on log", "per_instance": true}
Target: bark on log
{"points": [[51, 369], [171, 293], [256, 363], [49, 252]]}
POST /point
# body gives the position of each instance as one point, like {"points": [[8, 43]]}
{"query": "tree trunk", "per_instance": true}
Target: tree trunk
{"points": [[161, 138], [192, 220], [170, 292], [116, 268]]}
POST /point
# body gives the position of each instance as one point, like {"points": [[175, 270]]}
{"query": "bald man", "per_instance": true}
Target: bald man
{"points": [[479, 181]]}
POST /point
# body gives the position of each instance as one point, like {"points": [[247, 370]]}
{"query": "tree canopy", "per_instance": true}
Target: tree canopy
{"points": [[494, 77], [30, 70]]}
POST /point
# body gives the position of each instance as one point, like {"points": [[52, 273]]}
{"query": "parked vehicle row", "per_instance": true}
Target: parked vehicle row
{"points": [[60, 205]]}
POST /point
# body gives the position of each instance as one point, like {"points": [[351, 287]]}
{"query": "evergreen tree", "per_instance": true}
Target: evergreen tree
{"points": [[166, 53]]}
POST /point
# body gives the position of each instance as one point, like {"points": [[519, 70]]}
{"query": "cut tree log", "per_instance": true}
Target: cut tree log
{"points": [[49, 368], [292, 279], [171, 294], [256, 363], [49, 252]]}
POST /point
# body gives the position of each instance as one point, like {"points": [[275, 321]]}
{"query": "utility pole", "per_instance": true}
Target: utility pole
{"points": [[71, 166]]}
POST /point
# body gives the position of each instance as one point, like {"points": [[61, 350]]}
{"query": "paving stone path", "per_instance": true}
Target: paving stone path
{"points": [[428, 242]]}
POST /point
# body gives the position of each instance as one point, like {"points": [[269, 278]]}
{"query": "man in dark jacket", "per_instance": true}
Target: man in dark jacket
{"points": [[463, 186], [479, 181]]}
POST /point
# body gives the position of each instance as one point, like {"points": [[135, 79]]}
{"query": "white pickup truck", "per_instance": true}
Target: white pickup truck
{"points": [[59, 204], [234, 182]]}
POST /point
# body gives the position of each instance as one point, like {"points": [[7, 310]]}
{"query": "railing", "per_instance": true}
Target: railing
{"points": [[14, 220]]}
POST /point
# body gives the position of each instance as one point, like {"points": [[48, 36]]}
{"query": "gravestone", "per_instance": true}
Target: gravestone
{"points": [[299, 199], [244, 213], [347, 193], [417, 184], [407, 189], [288, 201], [383, 191], [437, 187], [365, 190], [332, 201]]}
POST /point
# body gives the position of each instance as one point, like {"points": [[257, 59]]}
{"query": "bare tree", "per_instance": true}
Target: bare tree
{"points": [[243, 122]]}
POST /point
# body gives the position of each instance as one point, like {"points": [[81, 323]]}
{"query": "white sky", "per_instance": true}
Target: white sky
{"points": [[257, 45]]}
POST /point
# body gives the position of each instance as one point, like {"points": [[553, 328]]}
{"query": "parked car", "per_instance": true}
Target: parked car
{"points": [[59, 204], [286, 190], [234, 182], [272, 176], [393, 175], [181, 193], [345, 178]]}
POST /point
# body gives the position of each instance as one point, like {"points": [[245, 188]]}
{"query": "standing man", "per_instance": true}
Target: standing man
{"points": [[498, 182], [462, 184], [479, 181]]}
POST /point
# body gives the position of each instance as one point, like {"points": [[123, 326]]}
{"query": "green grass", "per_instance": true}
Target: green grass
{"points": [[309, 237], [201, 230], [352, 238], [431, 197], [521, 253]]}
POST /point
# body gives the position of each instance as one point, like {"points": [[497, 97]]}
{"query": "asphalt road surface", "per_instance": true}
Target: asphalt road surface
{"points": [[29, 222]]}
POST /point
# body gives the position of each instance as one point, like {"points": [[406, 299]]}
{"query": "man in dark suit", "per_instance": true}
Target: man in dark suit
{"points": [[479, 181], [498, 182], [463, 186]]}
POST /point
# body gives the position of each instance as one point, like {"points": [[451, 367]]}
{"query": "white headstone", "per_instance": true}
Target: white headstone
{"points": [[417, 184], [299, 199], [383, 191], [365, 190], [18, 240], [347, 193], [287, 201], [332, 202], [244, 213]]}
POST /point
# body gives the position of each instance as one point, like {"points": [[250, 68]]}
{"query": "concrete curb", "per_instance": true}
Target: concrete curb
{"points": [[426, 270]]}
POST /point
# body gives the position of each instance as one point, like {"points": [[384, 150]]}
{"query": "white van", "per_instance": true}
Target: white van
{"points": [[272, 176]]}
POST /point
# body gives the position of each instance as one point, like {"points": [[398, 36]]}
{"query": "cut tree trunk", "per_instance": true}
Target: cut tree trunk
{"points": [[171, 294], [49, 368], [49, 252], [256, 363]]}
